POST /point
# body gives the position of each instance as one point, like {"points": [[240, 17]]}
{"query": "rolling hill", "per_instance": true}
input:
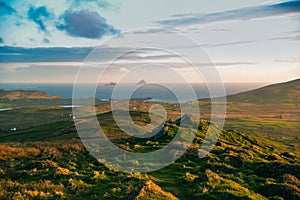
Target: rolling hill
{"points": [[287, 92], [25, 94]]}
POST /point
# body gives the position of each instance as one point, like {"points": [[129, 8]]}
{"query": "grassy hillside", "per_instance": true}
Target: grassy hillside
{"points": [[57, 166], [33, 116], [278, 93], [272, 111]]}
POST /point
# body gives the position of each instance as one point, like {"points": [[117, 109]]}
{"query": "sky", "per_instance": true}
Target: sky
{"points": [[245, 41]]}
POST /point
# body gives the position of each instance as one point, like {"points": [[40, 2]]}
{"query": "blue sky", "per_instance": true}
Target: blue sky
{"points": [[249, 41]]}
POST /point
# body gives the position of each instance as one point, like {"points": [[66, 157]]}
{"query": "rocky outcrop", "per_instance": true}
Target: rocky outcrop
{"points": [[160, 131]]}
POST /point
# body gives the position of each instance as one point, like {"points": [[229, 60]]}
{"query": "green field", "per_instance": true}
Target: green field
{"points": [[54, 164]]}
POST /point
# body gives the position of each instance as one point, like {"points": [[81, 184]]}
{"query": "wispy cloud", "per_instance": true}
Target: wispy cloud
{"points": [[54, 54], [39, 72], [14, 67], [211, 64], [9, 54], [279, 9], [154, 31], [38, 15], [292, 37], [104, 4], [221, 29], [6, 9], [229, 43], [105, 54], [289, 60], [225, 64], [85, 23]]}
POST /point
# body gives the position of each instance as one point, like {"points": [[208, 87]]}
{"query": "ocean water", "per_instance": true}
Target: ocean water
{"points": [[169, 93]]}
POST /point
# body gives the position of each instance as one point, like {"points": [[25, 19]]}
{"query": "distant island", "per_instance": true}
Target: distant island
{"points": [[111, 84], [141, 82]]}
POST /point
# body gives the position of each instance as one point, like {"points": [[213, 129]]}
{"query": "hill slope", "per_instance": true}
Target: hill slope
{"points": [[239, 167], [278, 93], [25, 94]]}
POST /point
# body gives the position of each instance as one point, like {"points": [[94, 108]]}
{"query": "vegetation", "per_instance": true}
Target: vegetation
{"points": [[28, 94], [239, 167], [277, 93], [256, 157]]}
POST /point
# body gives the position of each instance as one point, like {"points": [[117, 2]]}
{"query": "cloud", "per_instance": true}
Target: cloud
{"points": [[289, 60], [46, 41], [123, 69], [279, 9], [38, 15], [9, 54], [13, 67], [85, 23], [211, 64], [6, 9], [146, 55], [99, 3], [39, 72], [292, 37], [225, 64], [1, 40], [229, 43], [221, 29], [153, 31]]}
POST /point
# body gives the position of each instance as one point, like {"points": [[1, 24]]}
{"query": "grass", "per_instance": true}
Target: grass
{"points": [[53, 131], [33, 116], [257, 159], [238, 168]]}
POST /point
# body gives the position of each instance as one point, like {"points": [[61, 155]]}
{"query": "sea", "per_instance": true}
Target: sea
{"points": [[162, 93]]}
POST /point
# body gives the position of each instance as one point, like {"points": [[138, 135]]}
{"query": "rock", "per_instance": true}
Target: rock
{"points": [[288, 155], [219, 144]]}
